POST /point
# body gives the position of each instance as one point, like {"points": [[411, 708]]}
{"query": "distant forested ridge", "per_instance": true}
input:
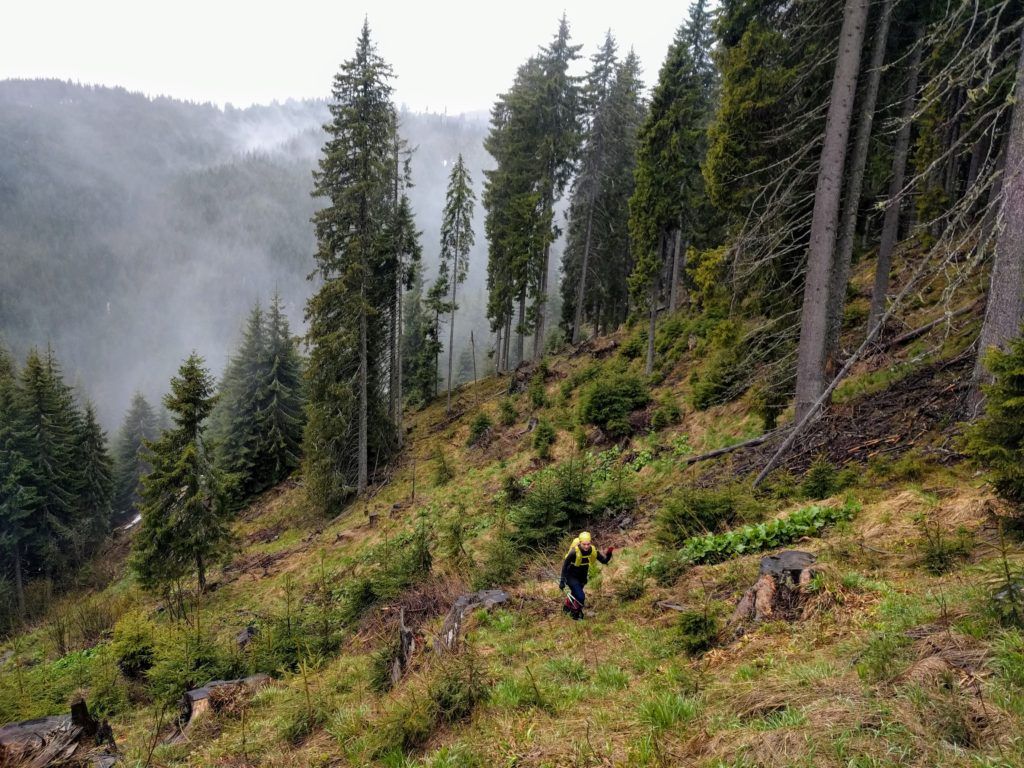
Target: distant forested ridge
{"points": [[133, 230]]}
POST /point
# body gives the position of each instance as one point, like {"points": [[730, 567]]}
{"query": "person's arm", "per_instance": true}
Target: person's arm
{"points": [[565, 570], [607, 556]]}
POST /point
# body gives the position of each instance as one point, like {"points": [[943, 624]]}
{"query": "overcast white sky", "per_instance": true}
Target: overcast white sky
{"points": [[447, 54]]}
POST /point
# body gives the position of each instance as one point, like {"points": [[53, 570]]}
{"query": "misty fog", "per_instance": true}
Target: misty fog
{"points": [[134, 230]]}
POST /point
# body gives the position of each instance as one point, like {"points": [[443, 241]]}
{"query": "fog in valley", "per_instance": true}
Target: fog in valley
{"points": [[134, 230]]}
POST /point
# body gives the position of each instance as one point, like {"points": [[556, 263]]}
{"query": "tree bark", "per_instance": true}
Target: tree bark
{"points": [[581, 292], [820, 257], [891, 222], [472, 348], [398, 365], [540, 305], [201, 573], [855, 183], [1005, 310]]}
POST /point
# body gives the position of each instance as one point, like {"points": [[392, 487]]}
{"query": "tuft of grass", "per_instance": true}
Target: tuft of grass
{"points": [[667, 710]]}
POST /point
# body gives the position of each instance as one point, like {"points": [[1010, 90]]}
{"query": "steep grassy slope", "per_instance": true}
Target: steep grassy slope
{"points": [[895, 657]]}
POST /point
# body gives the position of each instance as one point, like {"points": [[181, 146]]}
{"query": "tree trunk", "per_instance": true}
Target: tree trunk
{"points": [[451, 322], [678, 259], [540, 305], [508, 338], [649, 366], [891, 222], [400, 438], [363, 398], [820, 257], [19, 584], [521, 330], [858, 164], [472, 349], [581, 292], [201, 573], [1005, 310]]}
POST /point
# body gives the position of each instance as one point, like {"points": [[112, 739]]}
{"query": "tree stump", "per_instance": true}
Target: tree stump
{"points": [[778, 591], [51, 741], [196, 702], [451, 630], [406, 647]]}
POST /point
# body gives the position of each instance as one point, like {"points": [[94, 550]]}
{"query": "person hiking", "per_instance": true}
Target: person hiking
{"points": [[576, 570]]}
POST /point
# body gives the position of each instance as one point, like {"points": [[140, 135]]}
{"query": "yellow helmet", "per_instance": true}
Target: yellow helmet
{"points": [[584, 537]]}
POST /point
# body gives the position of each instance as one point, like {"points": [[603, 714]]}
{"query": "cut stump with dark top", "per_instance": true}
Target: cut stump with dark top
{"points": [[61, 740], [779, 589]]}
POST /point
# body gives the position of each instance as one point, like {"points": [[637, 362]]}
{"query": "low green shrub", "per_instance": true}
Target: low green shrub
{"points": [[134, 644], [479, 428], [721, 381], [535, 390], [996, 440], [459, 688], [507, 413], [667, 414], [694, 511], [823, 480], [556, 502], [543, 438], [940, 549], [608, 402], [633, 584], [810, 521], [443, 471], [698, 631]]}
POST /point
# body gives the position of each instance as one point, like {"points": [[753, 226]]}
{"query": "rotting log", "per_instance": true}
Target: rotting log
{"points": [[451, 630], [778, 591], [196, 702]]}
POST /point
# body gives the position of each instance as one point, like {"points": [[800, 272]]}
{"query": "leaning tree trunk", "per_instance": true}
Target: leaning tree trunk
{"points": [[858, 164], [891, 223], [820, 256], [1005, 310], [581, 291]]}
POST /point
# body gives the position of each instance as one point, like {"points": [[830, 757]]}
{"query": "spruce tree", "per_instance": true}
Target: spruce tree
{"points": [[131, 463], [666, 205], [283, 417], [18, 499], [185, 516], [96, 492], [456, 242], [420, 347], [596, 262], [240, 408], [51, 455], [347, 376]]}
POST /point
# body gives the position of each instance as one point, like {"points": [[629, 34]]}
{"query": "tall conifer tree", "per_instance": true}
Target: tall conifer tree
{"points": [[456, 241], [185, 515], [347, 376]]}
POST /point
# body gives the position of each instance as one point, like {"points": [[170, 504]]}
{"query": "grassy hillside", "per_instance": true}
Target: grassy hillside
{"points": [[895, 656]]}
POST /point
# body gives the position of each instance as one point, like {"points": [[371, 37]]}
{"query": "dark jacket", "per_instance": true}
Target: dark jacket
{"points": [[581, 571]]}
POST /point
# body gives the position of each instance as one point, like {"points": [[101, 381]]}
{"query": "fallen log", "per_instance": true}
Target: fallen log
{"points": [[754, 441], [195, 703], [451, 630], [903, 338], [778, 590]]}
